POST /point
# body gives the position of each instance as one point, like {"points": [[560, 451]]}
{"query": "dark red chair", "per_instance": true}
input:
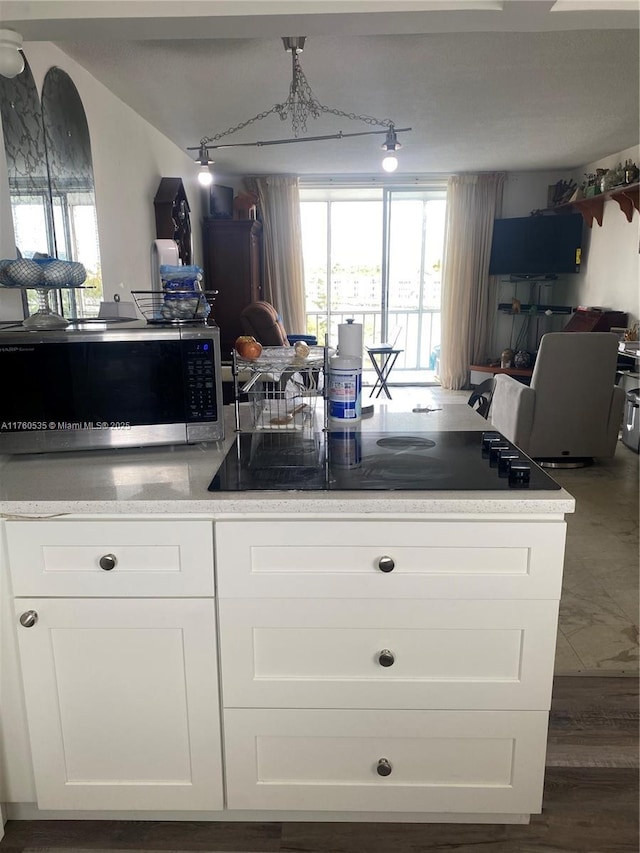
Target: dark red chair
{"points": [[262, 321]]}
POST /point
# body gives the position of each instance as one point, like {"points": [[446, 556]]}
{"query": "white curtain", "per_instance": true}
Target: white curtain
{"points": [[283, 270], [468, 292]]}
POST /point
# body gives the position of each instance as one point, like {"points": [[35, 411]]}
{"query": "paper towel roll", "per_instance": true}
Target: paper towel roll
{"points": [[162, 252], [350, 339]]}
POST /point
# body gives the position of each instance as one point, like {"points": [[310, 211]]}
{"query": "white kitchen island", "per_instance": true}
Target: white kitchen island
{"points": [[173, 653]]}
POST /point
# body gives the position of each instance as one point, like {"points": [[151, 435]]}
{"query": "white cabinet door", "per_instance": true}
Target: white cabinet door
{"points": [[367, 653], [16, 777], [389, 559], [426, 761], [122, 703]]}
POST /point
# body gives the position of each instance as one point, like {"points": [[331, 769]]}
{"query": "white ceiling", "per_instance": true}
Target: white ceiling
{"points": [[514, 85]]}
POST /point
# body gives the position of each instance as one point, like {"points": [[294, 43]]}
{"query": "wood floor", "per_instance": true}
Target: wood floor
{"points": [[590, 802]]}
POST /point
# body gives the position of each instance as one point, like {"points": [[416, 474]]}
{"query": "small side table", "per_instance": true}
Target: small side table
{"points": [[382, 359]]}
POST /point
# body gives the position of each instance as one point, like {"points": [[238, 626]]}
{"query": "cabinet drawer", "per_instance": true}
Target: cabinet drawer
{"points": [[157, 558], [433, 559], [440, 761], [359, 653]]}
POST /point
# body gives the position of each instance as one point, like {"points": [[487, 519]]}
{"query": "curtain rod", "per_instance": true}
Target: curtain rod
{"points": [[396, 181]]}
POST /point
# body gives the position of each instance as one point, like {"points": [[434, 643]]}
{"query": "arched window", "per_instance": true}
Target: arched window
{"points": [[50, 174], [26, 164], [68, 147]]}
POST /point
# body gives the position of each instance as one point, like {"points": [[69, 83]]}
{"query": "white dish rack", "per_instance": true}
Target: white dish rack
{"points": [[284, 392]]}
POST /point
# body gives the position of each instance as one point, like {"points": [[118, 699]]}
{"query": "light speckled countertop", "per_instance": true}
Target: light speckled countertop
{"points": [[175, 479]]}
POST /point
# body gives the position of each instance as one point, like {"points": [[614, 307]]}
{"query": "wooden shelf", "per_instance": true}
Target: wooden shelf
{"points": [[525, 372], [534, 310], [628, 198]]}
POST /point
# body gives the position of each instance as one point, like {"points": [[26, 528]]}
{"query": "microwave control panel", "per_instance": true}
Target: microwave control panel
{"points": [[200, 384]]}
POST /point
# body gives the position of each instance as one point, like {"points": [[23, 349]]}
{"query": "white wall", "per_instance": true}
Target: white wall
{"points": [[610, 277], [610, 274], [129, 159], [527, 191]]}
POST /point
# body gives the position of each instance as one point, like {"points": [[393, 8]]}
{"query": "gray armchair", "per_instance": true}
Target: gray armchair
{"points": [[572, 410]]}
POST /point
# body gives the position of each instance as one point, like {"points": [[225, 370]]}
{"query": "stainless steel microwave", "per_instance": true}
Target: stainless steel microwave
{"points": [[109, 387]]}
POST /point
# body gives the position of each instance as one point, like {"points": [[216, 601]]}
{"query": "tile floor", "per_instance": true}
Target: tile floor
{"points": [[599, 609]]}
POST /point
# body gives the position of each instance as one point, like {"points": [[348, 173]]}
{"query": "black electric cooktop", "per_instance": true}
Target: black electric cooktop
{"points": [[376, 461]]}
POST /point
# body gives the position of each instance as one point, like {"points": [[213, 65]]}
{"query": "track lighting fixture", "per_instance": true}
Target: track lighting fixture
{"points": [[299, 106]]}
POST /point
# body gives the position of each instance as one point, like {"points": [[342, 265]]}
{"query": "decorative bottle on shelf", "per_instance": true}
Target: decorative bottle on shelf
{"points": [[601, 175], [522, 359], [614, 177], [630, 172], [506, 358]]}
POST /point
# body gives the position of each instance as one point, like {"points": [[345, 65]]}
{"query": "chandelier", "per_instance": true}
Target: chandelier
{"points": [[300, 106]]}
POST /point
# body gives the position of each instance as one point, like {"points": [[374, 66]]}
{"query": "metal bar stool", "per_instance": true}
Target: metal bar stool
{"points": [[383, 367]]}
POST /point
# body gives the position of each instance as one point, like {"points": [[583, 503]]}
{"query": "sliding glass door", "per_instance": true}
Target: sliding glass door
{"points": [[375, 254], [414, 264]]}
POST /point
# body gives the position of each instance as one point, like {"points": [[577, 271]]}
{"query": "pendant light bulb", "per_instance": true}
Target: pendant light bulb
{"points": [[390, 163], [390, 145], [11, 60], [205, 178], [205, 175]]}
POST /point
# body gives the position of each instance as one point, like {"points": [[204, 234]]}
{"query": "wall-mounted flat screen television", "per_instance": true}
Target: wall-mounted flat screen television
{"points": [[537, 245]]}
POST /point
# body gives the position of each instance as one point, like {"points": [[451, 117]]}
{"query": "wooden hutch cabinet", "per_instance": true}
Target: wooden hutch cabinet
{"points": [[232, 266]]}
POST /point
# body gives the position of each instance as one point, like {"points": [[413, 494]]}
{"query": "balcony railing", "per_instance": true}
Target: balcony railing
{"points": [[419, 333]]}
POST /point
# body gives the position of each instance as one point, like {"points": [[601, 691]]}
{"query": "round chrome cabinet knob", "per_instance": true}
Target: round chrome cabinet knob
{"points": [[386, 564], [386, 658], [28, 619], [108, 562], [384, 767]]}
